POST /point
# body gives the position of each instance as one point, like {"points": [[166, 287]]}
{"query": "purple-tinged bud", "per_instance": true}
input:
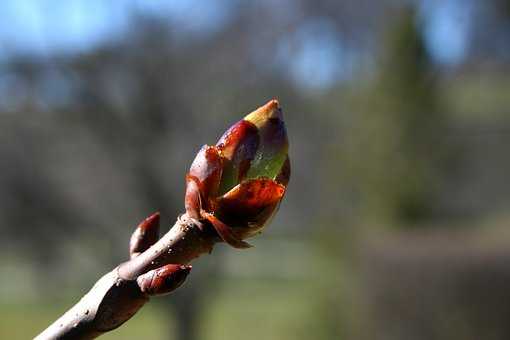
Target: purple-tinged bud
{"points": [[238, 184], [163, 280], [145, 235]]}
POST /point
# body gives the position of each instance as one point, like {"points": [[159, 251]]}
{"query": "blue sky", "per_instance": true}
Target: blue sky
{"points": [[446, 28], [47, 26], [52, 26]]}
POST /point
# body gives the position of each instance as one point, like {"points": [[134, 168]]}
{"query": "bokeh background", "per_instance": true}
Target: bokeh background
{"points": [[396, 221]]}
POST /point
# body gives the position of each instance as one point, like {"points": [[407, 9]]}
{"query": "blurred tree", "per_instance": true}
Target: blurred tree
{"points": [[394, 148], [489, 28]]}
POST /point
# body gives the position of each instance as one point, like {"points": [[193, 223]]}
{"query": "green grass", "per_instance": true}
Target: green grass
{"points": [[267, 310], [24, 321], [237, 309]]}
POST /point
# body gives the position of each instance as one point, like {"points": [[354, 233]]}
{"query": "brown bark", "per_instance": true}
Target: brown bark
{"points": [[119, 294]]}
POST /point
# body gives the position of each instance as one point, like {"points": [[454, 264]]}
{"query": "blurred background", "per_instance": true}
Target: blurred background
{"points": [[395, 224]]}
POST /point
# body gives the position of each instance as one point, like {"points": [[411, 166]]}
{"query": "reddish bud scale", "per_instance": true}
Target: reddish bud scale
{"points": [[192, 200], [239, 141], [248, 206], [238, 147], [207, 168], [246, 201]]}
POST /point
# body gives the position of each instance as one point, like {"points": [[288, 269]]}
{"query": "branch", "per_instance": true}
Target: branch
{"points": [[232, 190], [119, 294]]}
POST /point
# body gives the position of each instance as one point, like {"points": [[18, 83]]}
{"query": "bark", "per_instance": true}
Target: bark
{"points": [[119, 294]]}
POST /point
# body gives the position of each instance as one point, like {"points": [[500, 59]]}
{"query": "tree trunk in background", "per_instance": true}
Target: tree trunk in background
{"points": [[184, 307]]}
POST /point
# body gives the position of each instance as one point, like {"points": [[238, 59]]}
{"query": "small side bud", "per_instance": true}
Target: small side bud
{"points": [[145, 235], [163, 280]]}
